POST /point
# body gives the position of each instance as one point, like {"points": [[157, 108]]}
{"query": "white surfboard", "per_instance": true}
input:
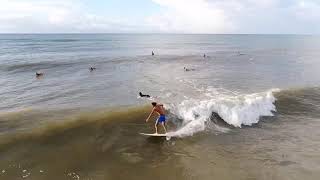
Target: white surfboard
{"points": [[155, 135]]}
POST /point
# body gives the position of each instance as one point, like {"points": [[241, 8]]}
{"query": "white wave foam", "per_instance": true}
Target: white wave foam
{"points": [[235, 110]]}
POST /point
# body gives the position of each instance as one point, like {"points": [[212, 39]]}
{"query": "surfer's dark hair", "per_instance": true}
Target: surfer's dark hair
{"points": [[154, 103]]}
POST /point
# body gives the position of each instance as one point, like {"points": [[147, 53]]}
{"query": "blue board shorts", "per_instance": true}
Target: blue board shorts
{"points": [[162, 118]]}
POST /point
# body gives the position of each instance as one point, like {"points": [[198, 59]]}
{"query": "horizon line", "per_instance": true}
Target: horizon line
{"points": [[138, 33]]}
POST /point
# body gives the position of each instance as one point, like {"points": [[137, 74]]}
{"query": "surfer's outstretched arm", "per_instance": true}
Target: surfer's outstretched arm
{"points": [[150, 115]]}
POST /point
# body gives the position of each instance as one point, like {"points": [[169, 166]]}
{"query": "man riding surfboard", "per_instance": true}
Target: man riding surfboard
{"points": [[158, 108]]}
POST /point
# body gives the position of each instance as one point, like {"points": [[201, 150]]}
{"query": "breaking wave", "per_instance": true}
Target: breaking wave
{"points": [[235, 110]]}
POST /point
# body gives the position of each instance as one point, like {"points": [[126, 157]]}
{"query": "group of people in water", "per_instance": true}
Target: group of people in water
{"points": [[40, 74], [157, 108]]}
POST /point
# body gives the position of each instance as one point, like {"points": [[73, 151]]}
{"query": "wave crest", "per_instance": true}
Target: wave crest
{"points": [[235, 110]]}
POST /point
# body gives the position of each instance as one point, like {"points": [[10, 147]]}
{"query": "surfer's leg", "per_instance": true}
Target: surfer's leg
{"points": [[164, 126], [156, 126]]}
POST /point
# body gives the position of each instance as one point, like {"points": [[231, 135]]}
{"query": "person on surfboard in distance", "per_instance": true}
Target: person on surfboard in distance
{"points": [[158, 108]]}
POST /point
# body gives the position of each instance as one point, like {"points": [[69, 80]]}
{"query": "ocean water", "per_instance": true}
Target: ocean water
{"points": [[248, 109]]}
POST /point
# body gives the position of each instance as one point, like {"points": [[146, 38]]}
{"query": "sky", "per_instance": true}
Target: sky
{"points": [[161, 16]]}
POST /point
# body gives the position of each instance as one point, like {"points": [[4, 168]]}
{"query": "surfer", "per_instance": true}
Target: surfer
{"points": [[158, 108], [152, 53]]}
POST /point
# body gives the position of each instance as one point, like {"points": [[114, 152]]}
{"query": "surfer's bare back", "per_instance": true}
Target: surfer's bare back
{"points": [[158, 108]]}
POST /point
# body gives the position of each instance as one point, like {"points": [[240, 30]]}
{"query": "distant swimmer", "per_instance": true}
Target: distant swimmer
{"points": [[188, 69], [92, 69], [204, 55], [159, 109], [39, 74], [152, 53], [144, 95]]}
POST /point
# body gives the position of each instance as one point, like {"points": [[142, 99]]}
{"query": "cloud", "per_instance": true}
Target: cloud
{"points": [[175, 16], [192, 16], [235, 16], [25, 15], [35, 16], [307, 10]]}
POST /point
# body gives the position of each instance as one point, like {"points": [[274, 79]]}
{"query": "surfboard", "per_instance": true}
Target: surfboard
{"points": [[155, 135]]}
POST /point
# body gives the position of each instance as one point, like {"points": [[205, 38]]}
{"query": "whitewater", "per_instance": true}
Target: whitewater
{"points": [[236, 110]]}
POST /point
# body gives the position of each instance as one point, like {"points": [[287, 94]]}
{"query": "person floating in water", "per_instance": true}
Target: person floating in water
{"points": [[188, 69], [92, 69], [39, 74], [152, 53], [144, 95], [204, 55], [158, 108]]}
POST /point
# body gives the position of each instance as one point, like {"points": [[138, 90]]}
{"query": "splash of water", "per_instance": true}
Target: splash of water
{"points": [[235, 110]]}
